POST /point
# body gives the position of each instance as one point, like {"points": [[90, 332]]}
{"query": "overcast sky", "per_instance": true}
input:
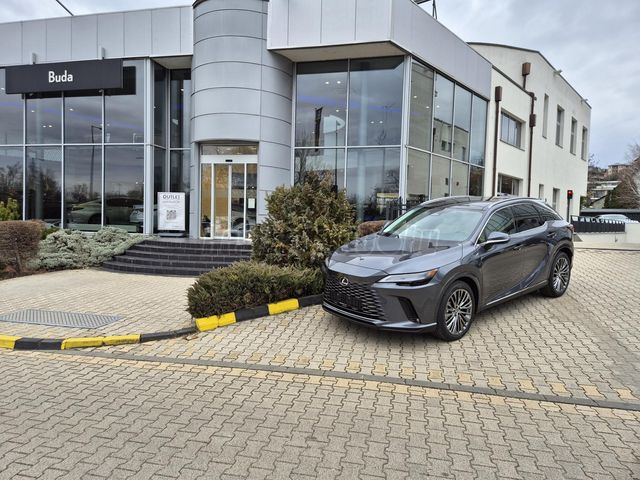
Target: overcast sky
{"points": [[595, 43]]}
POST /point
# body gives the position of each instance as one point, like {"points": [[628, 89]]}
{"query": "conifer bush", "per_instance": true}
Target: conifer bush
{"points": [[19, 243]]}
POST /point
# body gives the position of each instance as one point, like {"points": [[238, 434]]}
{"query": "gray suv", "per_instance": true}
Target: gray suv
{"points": [[440, 263]]}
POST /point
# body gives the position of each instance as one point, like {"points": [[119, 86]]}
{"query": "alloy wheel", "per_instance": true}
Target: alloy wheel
{"points": [[561, 273], [458, 311]]}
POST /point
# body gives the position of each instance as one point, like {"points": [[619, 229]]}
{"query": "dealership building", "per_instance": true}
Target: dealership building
{"points": [[226, 100]]}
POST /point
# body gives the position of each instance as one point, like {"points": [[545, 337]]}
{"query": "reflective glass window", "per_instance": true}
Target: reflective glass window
{"points": [[476, 181], [11, 120], [159, 105], [478, 131], [440, 176], [527, 217], [124, 187], [124, 107], [443, 116], [83, 117], [375, 101], [459, 179], [159, 177], [321, 103], [44, 184], [421, 114], [502, 221], [11, 175], [180, 109], [327, 161], [462, 124], [510, 130], [418, 166], [179, 176], [83, 187], [44, 119], [372, 180]]}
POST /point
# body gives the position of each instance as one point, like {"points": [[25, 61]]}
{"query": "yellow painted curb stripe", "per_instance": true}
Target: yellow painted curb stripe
{"points": [[211, 323], [284, 306], [8, 341], [121, 339], [82, 342]]}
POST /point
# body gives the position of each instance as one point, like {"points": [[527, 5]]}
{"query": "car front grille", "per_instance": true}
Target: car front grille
{"points": [[353, 297]]}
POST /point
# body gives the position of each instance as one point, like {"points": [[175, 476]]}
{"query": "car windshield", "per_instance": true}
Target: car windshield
{"points": [[450, 224]]}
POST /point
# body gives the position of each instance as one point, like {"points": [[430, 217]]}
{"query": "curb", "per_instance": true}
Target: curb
{"points": [[13, 342]]}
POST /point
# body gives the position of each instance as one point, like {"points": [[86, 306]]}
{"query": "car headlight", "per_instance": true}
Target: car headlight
{"points": [[410, 279]]}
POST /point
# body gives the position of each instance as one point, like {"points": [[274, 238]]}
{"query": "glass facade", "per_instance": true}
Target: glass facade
{"points": [[11, 159], [361, 146], [348, 125], [83, 187]]}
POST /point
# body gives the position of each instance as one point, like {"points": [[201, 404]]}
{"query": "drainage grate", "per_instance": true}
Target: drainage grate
{"points": [[59, 319]]}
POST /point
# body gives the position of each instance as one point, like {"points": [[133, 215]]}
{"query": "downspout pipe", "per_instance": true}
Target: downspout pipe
{"points": [[532, 124], [498, 98]]}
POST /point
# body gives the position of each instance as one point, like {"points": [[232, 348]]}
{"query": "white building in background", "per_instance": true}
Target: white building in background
{"points": [[542, 155]]}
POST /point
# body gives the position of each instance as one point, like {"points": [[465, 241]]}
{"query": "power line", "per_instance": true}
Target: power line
{"points": [[62, 5]]}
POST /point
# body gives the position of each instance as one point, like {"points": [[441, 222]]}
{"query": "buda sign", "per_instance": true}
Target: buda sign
{"points": [[65, 77]]}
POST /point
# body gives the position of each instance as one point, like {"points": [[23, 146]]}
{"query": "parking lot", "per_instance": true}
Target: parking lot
{"points": [[539, 388]]}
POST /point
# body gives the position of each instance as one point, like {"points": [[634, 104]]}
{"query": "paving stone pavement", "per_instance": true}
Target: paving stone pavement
{"points": [[146, 303], [78, 416], [584, 345]]}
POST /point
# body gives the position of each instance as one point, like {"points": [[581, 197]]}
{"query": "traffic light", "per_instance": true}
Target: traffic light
{"points": [[569, 194]]}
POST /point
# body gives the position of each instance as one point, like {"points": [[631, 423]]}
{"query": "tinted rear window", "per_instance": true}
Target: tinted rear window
{"points": [[547, 214], [526, 217]]}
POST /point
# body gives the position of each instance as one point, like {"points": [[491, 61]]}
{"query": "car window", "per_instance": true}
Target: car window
{"points": [[547, 214], [501, 221], [526, 217]]}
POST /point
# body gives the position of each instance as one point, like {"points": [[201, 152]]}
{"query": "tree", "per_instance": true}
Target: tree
{"points": [[627, 193]]}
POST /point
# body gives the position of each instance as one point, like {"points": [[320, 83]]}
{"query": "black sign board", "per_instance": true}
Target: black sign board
{"points": [[60, 77]]}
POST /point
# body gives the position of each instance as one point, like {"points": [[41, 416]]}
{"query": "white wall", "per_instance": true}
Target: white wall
{"points": [[553, 167]]}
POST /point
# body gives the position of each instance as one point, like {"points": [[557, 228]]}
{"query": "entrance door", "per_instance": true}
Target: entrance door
{"points": [[228, 186]]}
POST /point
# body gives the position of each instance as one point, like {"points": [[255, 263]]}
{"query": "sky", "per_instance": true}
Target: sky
{"points": [[596, 44]]}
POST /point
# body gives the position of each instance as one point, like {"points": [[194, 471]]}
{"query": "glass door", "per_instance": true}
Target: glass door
{"points": [[228, 188]]}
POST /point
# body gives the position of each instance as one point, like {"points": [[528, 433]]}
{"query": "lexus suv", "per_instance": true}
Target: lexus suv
{"points": [[436, 266]]}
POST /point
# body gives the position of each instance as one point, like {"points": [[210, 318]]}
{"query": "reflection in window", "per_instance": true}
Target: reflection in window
{"points": [[462, 124], [179, 177], [11, 120], [440, 177], [372, 180], [443, 116], [584, 144], [508, 185], [180, 113], [124, 187], [11, 175], [329, 161], [44, 180], [124, 107], [159, 105], [418, 165], [478, 131], [44, 119], [159, 177], [205, 199], [421, 107], [375, 101], [560, 126], [476, 177], [510, 130], [83, 117], [459, 179], [321, 103], [83, 187]]}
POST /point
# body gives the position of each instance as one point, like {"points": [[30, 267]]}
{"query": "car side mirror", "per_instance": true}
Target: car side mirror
{"points": [[495, 238]]}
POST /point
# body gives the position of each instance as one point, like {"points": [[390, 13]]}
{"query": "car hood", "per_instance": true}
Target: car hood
{"points": [[394, 255]]}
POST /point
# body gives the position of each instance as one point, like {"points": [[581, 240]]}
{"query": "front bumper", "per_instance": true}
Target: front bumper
{"points": [[391, 326]]}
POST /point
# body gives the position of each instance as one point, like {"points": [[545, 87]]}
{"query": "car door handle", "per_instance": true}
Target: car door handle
{"points": [[517, 247]]}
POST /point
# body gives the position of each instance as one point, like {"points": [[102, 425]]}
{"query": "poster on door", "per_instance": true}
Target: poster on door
{"points": [[171, 211]]}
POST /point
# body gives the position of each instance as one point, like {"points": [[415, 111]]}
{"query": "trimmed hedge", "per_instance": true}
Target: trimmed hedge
{"points": [[68, 249], [367, 228], [305, 224], [19, 243], [9, 210], [249, 284]]}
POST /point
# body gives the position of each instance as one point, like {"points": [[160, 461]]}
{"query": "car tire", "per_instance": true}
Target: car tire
{"points": [[559, 276], [94, 219], [456, 312]]}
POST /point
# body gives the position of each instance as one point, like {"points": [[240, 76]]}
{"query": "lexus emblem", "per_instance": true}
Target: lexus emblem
{"points": [[344, 282]]}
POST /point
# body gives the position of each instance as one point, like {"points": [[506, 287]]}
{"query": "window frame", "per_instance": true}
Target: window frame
{"points": [[517, 123], [484, 226], [560, 127], [532, 206], [574, 134]]}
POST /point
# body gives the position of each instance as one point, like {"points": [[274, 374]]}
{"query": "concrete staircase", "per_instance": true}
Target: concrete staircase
{"points": [[179, 257]]}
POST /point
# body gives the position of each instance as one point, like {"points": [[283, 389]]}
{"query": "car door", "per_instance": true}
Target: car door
{"points": [[534, 246], [500, 270]]}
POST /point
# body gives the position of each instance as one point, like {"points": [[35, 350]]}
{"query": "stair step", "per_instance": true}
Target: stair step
{"points": [[153, 270], [203, 244], [190, 251], [196, 265], [189, 257]]}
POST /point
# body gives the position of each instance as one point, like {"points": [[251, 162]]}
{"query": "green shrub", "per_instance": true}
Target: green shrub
{"points": [[367, 228], [10, 210], [48, 231], [67, 249], [249, 284], [305, 223], [19, 243]]}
